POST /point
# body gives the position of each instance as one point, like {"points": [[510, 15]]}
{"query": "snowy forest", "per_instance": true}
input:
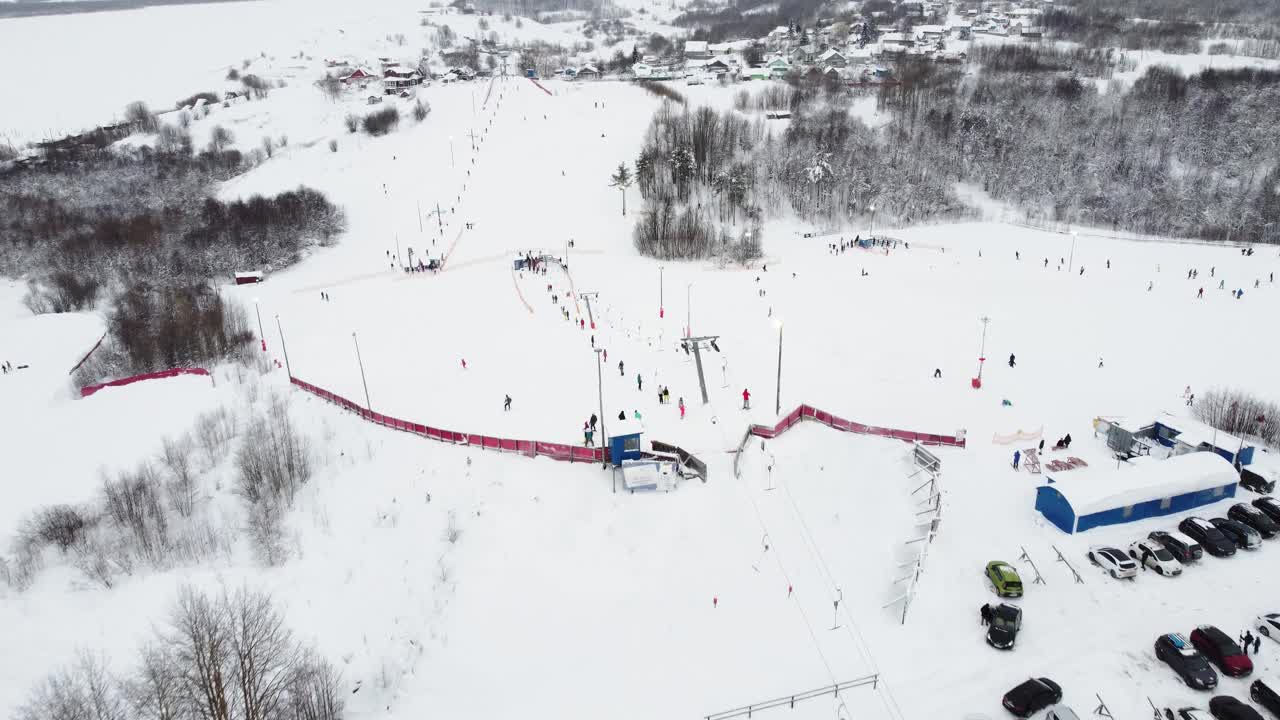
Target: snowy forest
{"points": [[1179, 156]]}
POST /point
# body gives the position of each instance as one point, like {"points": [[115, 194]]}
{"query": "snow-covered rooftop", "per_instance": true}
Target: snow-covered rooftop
{"points": [[1099, 489], [1194, 433]]}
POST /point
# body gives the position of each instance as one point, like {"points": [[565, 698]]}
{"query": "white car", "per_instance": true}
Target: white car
{"points": [[1155, 556], [1060, 712], [1268, 625], [1113, 561]]}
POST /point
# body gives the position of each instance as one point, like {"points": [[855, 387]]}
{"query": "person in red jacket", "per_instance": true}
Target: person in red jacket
{"points": [[746, 399]]}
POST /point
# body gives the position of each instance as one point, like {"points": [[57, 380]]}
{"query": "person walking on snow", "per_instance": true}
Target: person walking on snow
{"points": [[621, 372], [506, 405], [639, 382], [594, 420], [1011, 360], [1017, 458], [746, 399], [464, 363], [681, 408], [587, 434], [984, 613], [1200, 295]]}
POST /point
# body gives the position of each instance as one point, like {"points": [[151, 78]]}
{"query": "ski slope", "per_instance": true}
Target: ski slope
{"points": [[561, 598]]}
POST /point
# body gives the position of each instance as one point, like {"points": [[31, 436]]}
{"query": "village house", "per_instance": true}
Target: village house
{"points": [[358, 76], [803, 54], [696, 50], [778, 67], [832, 59], [588, 72]]}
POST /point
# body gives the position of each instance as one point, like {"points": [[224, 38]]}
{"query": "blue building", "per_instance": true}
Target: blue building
{"points": [[1079, 500], [624, 441]]}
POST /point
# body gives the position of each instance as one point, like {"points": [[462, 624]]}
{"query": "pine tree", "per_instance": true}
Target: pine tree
{"points": [[621, 179]]}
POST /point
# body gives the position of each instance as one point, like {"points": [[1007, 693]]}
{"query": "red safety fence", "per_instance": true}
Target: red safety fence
{"points": [[88, 390], [805, 412], [531, 448], [540, 87]]}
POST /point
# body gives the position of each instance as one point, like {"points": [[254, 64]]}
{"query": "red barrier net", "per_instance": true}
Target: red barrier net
{"points": [[806, 412], [532, 448], [88, 390]]}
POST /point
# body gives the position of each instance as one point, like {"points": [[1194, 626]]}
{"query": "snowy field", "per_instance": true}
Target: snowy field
{"points": [[560, 598]]}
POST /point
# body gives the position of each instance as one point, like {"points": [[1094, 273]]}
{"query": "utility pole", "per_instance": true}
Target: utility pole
{"points": [[778, 403], [1071, 259], [419, 202], [604, 460], [661, 288], [368, 405], [587, 297], [452, 163], [688, 323], [982, 351], [287, 368], [694, 345], [873, 221]]}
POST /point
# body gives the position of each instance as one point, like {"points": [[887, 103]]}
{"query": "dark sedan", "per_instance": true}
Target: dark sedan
{"points": [[1209, 536], [1243, 536], [1225, 707], [1032, 696], [1254, 518], [1262, 694], [1270, 506], [1174, 650]]}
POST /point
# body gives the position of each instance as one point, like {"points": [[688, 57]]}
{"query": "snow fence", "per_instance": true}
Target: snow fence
{"points": [[531, 448], [88, 390], [806, 412]]}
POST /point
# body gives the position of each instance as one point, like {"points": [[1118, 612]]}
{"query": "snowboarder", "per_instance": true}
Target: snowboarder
{"points": [[621, 373], [984, 613], [746, 399], [1012, 360], [506, 404], [1017, 458]]}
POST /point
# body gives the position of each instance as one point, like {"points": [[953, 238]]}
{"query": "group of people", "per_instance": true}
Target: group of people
{"points": [[7, 367]]}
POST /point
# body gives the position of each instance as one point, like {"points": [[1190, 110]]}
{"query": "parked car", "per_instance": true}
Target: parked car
{"points": [[1241, 535], [1004, 578], [1113, 561], [1225, 707], [1060, 712], [1268, 625], [1174, 650], [1222, 651], [1182, 548], [1254, 518], [1258, 480], [1209, 536], [1270, 506], [1262, 694], [1032, 696], [1006, 621], [1152, 554]]}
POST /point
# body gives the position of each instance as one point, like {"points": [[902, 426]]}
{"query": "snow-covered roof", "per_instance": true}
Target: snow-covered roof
{"points": [[1094, 490], [831, 53], [926, 29], [695, 46], [780, 30], [1195, 433]]}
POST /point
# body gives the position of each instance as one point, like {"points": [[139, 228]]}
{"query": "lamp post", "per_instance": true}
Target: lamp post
{"points": [[284, 347], [368, 405], [261, 335], [982, 352], [873, 221], [451, 159], [661, 286], [1071, 259], [777, 406]]}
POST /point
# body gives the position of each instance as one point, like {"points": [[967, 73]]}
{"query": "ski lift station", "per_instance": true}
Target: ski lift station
{"points": [[1169, 434], [1143, 488]]}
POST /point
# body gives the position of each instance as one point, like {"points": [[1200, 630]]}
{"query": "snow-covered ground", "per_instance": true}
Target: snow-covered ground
{"points": [[561, 598]]}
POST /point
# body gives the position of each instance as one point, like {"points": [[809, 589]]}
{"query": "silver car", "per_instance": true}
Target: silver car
{"points": [[1113, 561]]}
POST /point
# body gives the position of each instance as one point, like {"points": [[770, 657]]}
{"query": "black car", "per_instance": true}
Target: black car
{"points": [[1225, 707], [1184, 549], [1032, 696], [1205, 533], [1006, 621], [1259, 481], [1241, 535], [1270, 506], [1254, 518], [1262, 694], [1174, 650]]}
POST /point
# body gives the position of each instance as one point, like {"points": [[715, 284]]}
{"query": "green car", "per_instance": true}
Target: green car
{"points": [[1004, 579]]}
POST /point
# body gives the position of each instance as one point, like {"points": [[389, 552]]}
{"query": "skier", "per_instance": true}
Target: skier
{"points": [[1011, 360], [639, 382], [506, 405], [1017, 458], [637, 414], [1150, 284], [621, 373], [1099, 361], [937, 372], [1017, 255], [1041, 444], [1191, 400], [1200, 295], [1082, 270], [1108, 263], [746, 399], [681, 408], [464, 363]]}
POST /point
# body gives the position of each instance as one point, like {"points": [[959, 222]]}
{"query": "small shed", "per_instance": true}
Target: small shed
{"points": [[249, 278], [1150, 488], [624, 441]]}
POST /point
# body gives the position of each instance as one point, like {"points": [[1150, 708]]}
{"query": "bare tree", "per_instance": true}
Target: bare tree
{"points": [[140, 115], [315, 694], [199, 645], [155, 693], [83, 691], [220, 138], [176, 459], [265, 657]]}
